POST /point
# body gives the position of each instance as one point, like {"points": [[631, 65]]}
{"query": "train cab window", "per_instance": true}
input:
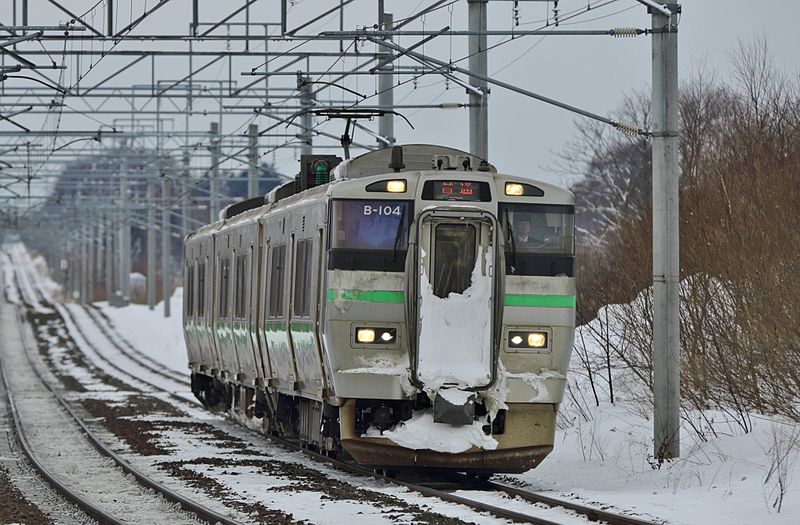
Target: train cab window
{"points": [[201, 289], [369, 235], [277, 265], [224, 287], [454, 258], [539, 238], [239, 292], [302, 269]]}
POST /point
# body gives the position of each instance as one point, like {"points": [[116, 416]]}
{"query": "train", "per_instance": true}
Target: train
{"points": [[411, 308]]}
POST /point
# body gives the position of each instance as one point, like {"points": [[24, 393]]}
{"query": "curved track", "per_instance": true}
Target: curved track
{"points": [[66, 487], [427, 488]]}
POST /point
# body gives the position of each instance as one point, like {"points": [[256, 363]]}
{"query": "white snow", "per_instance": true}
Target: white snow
{"points": [[455, 332], [420, 432], [602, 454], [156, 336]]}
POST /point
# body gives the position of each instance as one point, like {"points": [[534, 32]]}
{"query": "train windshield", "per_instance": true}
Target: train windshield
{"points": [[369, 235], [539, 228]]}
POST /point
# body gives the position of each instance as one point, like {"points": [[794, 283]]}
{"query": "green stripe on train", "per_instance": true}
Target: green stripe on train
{"points": [[551, 301], [366, 296]]}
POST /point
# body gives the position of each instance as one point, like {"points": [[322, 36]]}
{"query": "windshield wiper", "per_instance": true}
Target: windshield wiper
{"points": [[511, 237], [398, 235]]}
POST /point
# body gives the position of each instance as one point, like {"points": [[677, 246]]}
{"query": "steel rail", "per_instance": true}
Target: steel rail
{"points": [[132, 352], [187, 504], [19, 430], [590, 513]]}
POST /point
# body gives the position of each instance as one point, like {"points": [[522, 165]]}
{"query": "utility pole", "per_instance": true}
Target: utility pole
{"points": [[151, 242], [252, 161], [478, 104], [124, 268], [186, 190], [166, 280], [83, 239], [666, 264], [385, 91], [213, 187], [109, 234], [306, 102], [99, 259]]}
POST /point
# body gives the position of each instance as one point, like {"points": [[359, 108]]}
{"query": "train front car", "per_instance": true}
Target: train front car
{"points": [[449, 313]]}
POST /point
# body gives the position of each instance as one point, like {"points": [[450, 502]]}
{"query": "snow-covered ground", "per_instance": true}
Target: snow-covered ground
{"points": [[150, 332], [603, 454], [606, 457]]}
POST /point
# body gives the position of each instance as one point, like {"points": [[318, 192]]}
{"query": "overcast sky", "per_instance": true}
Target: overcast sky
{"points": [[525, 135]]}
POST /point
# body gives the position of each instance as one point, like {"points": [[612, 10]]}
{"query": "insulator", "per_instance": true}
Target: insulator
{"points": [[625, 32], [449, 105], [628, 128]]}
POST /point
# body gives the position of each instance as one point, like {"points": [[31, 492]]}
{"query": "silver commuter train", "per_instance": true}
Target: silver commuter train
{"points": [[398, 292]]}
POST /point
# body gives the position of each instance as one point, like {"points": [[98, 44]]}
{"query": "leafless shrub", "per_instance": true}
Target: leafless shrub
{"points": [[740, 245], [783, 455]]}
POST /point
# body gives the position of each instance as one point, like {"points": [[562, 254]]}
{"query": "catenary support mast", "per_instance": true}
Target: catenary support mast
{"points": [[478, 104], [666, 265]]}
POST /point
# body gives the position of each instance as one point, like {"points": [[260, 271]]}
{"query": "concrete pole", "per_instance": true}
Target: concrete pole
{"points": [[166, 273], [252, 161], [109, 234], [83, 242], [478, 105], [90, 267], [185, 194], [386, 93], [99, 253], [306, 102], [151, 242], [124, 236], [666, 267], [213, 203]]}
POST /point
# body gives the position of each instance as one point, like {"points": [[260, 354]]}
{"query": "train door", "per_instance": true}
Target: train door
{"points": [[309, 367], [263, 299], [456, 291]]}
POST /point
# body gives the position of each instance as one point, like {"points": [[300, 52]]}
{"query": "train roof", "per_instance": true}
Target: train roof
{"points": [[410, 157]]}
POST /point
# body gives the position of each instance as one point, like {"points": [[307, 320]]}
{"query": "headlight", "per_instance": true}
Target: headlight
{"points": [[376, 335], [514, 189], [519, 339], [365, 335]]}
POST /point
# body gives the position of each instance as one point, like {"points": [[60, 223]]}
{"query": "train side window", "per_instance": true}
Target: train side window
{"points": [[277, 266], [189, 288], [238, 308], [224, 286], [201, 289], [301, 278]]}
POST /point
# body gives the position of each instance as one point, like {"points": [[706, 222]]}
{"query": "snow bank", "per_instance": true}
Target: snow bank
{"points": [[159, 337]]}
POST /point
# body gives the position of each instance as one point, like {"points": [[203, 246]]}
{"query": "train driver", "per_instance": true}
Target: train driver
{"points": [[522, 230]]}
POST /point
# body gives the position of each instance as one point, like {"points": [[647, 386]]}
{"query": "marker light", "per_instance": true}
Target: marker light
{"points": [[517, 340], [396, 186], [365, 335], [387, 336], [514, 189]]}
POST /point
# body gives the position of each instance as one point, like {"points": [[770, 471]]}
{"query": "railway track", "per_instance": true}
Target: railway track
{"points": [[429, 487], [154, 502]]}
